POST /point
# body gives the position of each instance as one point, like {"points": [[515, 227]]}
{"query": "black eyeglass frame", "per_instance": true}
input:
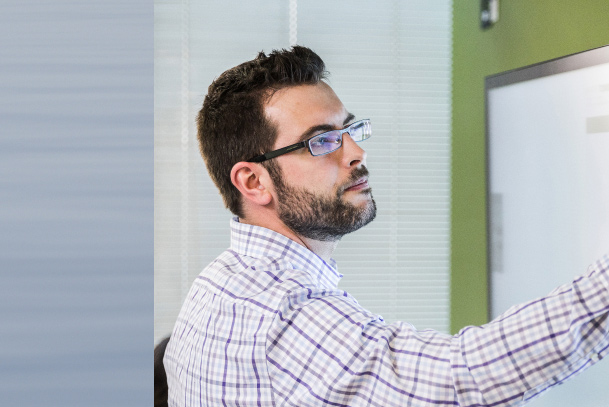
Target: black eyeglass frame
{"points": [[306, 143]]}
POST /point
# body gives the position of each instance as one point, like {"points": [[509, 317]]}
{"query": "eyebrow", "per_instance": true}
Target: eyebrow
{"points": [[323, 128]]}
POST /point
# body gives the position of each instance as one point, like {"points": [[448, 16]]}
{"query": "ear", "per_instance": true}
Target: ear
{"points": [[251, 180]]}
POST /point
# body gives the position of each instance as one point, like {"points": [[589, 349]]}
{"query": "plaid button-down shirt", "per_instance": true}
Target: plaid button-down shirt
{"points": [[266, 325]]}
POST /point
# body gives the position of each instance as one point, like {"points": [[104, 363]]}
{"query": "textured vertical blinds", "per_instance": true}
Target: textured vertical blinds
{"points": [[390, 62]]}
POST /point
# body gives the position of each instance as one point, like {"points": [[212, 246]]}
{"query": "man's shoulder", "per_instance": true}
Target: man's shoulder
{"points": [[322, 300], [263, 284]]}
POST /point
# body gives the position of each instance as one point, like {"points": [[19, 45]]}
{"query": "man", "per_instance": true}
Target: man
{"points": [[265, 324]]}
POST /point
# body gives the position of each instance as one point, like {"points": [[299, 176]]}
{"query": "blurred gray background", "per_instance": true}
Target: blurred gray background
{"points": [[76, 203]]}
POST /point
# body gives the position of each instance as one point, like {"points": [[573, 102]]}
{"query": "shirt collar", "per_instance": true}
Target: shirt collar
{"points": [[259, 242]]}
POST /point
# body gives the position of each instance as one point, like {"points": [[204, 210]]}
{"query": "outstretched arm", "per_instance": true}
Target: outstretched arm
{"points": [[324, 349]]}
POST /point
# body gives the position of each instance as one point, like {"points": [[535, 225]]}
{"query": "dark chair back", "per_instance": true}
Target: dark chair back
{"points": [[160, 377]]}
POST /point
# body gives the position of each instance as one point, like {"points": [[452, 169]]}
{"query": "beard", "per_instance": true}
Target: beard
{"points": [[323, 218]]}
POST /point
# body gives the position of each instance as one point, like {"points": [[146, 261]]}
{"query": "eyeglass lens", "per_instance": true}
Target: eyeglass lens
{"points": [[330, 141]]}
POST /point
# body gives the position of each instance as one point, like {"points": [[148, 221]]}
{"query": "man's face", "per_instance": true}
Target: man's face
{"points": [[322, 197]]}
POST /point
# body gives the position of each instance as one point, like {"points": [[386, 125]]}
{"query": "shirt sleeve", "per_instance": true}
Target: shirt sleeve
{"points": [[324, 349]]}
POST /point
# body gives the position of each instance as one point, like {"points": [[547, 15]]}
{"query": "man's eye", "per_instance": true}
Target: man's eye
{"points": [[329, 140], [320, 140]]}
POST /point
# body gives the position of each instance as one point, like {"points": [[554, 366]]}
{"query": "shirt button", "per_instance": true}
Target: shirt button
{"points": [[595, 357]]}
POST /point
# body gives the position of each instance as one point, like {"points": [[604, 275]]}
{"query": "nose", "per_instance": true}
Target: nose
{"points": [[353, 154]]}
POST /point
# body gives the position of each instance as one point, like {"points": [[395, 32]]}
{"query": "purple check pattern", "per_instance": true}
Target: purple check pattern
{"points": [[265, 325]]}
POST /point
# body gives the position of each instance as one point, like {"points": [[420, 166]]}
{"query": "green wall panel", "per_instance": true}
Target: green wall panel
{"points": [[527, 32]]}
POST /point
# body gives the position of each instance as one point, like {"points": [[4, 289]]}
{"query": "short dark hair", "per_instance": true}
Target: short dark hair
{"points": [[231, 125]]}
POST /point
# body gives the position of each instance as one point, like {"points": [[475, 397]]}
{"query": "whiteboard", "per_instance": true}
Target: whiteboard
{"points": [[548, 190]]}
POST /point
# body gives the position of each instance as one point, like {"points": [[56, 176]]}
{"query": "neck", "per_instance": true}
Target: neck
{"points": [[323, 249]]}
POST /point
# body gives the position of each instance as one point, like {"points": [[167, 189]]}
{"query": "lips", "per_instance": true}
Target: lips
{"points": [[358, 185], [358, 181]]}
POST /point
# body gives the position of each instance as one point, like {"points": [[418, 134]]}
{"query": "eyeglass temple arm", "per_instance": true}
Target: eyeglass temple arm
{"points": [[273, 154]]}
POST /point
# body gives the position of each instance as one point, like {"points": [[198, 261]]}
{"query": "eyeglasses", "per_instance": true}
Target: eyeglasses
{"points": [[323, 143]]}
